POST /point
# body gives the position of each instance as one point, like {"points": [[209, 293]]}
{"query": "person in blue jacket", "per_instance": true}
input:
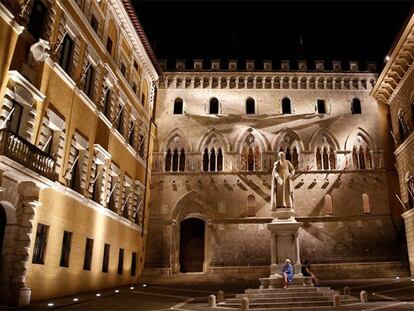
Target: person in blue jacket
{"points": [[287, 272]]}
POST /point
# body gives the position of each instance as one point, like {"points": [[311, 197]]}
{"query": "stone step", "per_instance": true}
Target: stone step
{"points": [[295, 298], [265, 305], [275, 295], [298, 289]]}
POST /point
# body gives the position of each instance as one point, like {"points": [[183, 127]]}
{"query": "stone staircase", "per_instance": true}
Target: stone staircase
{"points": [[292, 298]]}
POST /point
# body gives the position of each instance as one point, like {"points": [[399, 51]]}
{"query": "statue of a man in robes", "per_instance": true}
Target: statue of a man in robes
{"points": [[282, 184]]}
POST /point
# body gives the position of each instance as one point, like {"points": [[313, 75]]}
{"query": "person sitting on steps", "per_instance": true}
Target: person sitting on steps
{"points": [[287, 272], [307, 272]]}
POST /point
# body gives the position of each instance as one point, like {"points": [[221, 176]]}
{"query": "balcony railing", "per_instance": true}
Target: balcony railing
{"points": [[28, 155]]}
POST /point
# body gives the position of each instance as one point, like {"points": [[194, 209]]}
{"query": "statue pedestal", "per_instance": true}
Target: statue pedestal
{"points": [[285, 244]]}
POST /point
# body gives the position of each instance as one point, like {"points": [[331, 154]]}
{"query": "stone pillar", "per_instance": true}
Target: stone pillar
{"points": [[284, 244]]}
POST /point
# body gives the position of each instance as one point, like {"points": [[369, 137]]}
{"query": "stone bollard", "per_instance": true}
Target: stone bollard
{"points": [[347, 291], [363, 296], [336, 300], [244, 304], [212, 301], [220, 296]]}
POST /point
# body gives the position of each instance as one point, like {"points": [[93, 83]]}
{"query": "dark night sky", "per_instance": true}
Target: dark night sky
{"points": [[352, 30]]}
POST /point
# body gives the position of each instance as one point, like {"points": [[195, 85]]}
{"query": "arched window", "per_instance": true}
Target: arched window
{"points": [[175, 161], [244, 158], [328, 205], [168, 161], [355, 161], [295, 158], [205, 160], [286, 106], [257, 159], [318, 158], [182, 160], [212, 160], [178, 106], [250, 160], [251, 206], [214, 106], [361, 158], [288, 155], [219, 160], [356, 106], [251, 155], [332, 159], [325, 158], [37, 19], [250, 106], [402, 126], [366, 204]]}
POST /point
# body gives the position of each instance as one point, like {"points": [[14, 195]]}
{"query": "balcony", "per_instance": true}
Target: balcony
{"points": [[28, 155]]}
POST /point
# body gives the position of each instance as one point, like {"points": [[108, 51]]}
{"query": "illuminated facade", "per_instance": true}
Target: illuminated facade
{"points": [[219, 132], [77, 92], [395, 89]]}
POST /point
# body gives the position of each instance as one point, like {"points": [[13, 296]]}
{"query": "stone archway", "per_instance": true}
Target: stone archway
{"points": [[192, 244], [19, 203], [7, 232], [190, 207]]}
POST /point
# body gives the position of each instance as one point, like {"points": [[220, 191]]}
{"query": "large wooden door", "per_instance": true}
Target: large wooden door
{"points": [[192, 239]]}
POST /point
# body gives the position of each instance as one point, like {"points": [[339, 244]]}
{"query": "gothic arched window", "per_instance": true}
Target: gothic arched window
{"points": [[361, 158], [219, 160], [318, 158], [168, 161], [355, 161], [325, 158], [286, 106], [175, 161], [182, 160], [257, 159], [250, 159], [212, 160], [295, 158], [332, 159], [205, 160]]}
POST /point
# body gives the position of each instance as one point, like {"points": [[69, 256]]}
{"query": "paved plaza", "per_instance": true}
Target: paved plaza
{"points": [[384, 294]]}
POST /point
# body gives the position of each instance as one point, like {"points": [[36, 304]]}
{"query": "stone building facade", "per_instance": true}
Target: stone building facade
{"points": [[395, 89], [218, 135], [77, 94]]}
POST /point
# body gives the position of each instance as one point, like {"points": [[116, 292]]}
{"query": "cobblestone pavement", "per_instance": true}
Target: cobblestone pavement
{"points": [[384, 294]]}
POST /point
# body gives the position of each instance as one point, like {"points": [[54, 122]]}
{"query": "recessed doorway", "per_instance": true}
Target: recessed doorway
{"points": [[192, 241]]}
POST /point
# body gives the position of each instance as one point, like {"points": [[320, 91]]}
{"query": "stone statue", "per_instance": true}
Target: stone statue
{"points": [[39, 51], [282, 185]]}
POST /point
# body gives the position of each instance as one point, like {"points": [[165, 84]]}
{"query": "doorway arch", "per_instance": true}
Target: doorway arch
{"points": [[192, 245]]}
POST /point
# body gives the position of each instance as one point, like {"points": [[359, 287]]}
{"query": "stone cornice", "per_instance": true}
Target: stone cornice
{"points": [[398, 66], [269, 80], [127, 26]]}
